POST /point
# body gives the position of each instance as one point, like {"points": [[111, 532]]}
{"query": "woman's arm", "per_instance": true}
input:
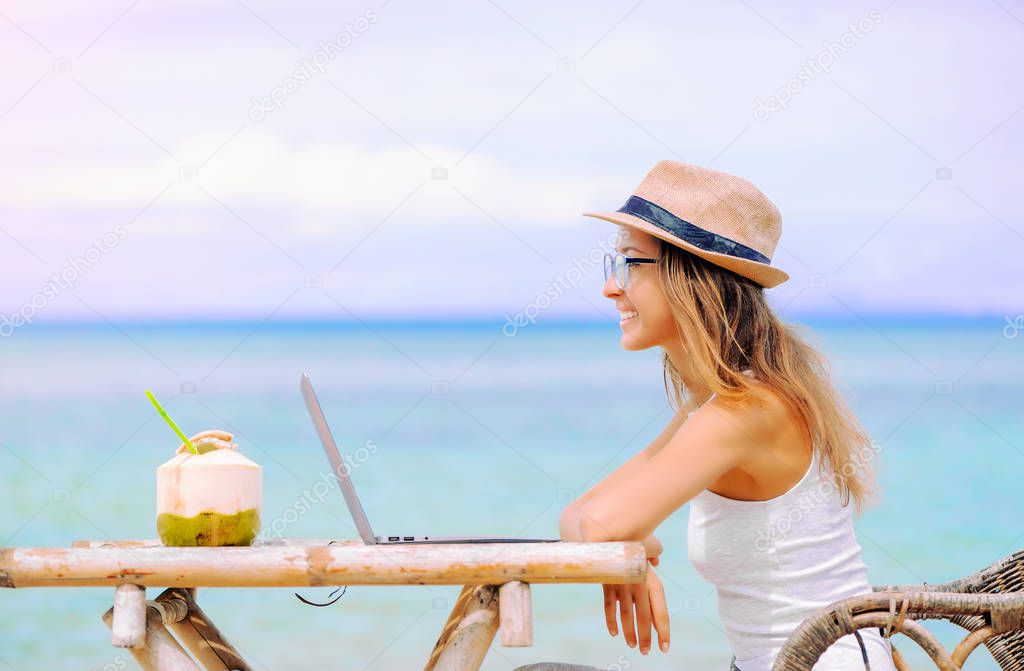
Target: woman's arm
{"points": [[715, 439], [569, 522], [649, 596]]}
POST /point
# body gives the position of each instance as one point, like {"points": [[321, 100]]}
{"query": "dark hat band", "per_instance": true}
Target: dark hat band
{"points": [[695, 235]]}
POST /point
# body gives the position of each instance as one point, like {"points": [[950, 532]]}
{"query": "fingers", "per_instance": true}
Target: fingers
{"points": [[626, 615], [648, 602], [610, 600], [659, 612], [643, 616]]}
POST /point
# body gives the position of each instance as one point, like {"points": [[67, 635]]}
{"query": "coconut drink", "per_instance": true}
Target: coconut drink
{"points": [[212, 496], [208, 493]]}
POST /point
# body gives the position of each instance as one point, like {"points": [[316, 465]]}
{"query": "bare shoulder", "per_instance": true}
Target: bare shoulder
{"points": [[777, 450], [762, 416]]}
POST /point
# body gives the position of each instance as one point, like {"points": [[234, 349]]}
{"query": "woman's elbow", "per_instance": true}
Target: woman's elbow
{"points": [[569, 524], [595, 528]]}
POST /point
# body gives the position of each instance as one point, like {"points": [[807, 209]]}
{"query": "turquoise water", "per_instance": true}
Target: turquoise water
{"points": [[464, 431]]}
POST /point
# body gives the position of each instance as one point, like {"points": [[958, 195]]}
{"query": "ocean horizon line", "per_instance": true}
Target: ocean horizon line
{"points": [[495, 321]]}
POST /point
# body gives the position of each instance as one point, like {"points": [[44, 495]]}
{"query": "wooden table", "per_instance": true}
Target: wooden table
{"points": [[496, 579]]}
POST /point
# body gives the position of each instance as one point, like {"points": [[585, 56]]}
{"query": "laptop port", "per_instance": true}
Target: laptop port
{"points": [[408, 538], [392, 538]]}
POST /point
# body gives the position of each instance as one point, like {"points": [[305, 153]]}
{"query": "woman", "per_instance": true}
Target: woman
{"points": [[761, 445]]}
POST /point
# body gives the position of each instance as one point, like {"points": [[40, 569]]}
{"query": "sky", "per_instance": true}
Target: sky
{"points": [[254, 160]]}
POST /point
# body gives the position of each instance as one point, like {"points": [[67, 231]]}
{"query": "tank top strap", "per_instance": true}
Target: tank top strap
{"points": [[746, 371]]}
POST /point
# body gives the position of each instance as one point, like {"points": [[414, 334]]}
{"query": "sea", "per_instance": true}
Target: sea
{"points": [[466, 428]]}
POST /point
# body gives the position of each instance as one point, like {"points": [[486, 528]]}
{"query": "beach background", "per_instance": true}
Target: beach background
{"points": [[206, 199], [459, 429]]}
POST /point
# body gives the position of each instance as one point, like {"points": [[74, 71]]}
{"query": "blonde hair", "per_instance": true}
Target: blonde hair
{"points": [[727, 326]]}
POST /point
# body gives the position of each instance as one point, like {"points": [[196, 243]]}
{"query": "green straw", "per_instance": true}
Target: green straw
{"points": [[170, 422]]}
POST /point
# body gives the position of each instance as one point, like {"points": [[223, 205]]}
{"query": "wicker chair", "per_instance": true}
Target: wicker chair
{"points": [[989, 604]]}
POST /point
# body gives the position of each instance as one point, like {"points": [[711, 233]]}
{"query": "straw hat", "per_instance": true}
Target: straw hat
{"points": [[719, 217]]}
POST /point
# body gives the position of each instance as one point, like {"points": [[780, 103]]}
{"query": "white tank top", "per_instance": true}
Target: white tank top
{"points": [[775, 562]]}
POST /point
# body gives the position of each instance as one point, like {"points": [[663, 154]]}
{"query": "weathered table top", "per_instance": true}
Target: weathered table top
{"points": [[320, 562]]}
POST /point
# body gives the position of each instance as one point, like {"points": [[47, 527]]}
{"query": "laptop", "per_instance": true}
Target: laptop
{"points": [[352, 501]]}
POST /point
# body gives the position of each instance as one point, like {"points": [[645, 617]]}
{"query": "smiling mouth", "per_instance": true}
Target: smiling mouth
{"points": [[628, 315]]}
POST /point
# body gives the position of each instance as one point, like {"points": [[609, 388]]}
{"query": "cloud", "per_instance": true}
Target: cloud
{"points": [[154, 119], [346, 182]]}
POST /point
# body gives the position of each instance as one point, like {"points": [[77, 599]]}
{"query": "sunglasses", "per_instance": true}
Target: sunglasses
{"points": [[618, 265]]}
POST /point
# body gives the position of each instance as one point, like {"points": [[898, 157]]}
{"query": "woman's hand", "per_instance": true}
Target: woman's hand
{"points": [[653, 548], [648, 598], [649, 601]]}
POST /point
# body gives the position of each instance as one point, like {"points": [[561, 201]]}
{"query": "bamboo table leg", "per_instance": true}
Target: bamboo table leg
{"points": [[201, 636], [140, 626], [128, 622], [469, 631], [159, 651], [453, 620], [515, 614]]}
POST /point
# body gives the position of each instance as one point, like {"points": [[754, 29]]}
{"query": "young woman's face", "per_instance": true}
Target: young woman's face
{"points": [[645, 318]]}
